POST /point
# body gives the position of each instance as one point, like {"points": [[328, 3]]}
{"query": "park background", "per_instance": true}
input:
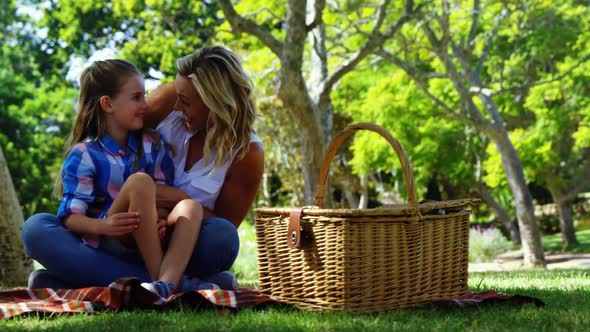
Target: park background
{"points": [[489, 98]]}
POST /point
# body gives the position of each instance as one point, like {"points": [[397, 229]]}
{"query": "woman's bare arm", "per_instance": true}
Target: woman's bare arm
{"points": [[167, 197], [240, 187], [160, 103]]}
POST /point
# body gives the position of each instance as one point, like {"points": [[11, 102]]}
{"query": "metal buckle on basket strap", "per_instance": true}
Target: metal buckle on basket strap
{"points": [[294, 230]]}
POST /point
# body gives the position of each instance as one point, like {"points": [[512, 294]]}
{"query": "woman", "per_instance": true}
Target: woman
{"points": [[207, 117]]}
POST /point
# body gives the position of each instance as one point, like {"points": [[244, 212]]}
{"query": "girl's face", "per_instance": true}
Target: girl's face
{"points": [[191, 104], [129, 105]]}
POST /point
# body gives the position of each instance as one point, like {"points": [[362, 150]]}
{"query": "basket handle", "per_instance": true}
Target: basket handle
{"points": [[337, 141]]}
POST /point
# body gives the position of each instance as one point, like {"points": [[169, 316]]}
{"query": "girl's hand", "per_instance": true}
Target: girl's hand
{"points": [[120, 224]]}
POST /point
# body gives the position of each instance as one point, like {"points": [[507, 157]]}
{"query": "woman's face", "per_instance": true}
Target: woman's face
{"points": [[191, 104]]}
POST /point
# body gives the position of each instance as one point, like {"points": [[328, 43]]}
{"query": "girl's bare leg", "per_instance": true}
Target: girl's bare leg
{"points": [[138, 194], [187, 217]]}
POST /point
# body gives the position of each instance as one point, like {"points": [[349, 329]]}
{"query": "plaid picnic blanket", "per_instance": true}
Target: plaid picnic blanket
{"points": [[127, 294]]}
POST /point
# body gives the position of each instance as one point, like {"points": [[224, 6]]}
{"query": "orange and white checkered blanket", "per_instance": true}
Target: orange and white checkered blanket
{"points": [[127, 294]]}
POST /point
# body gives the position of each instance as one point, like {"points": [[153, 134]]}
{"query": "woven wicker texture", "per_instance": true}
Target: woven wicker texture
{"points": [[366, 259]]}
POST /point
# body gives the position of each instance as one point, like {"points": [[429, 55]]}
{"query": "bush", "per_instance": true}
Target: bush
{"points": [[548, 224], [486, 243]]}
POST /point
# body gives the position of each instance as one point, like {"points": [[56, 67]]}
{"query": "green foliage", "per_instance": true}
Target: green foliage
{"points": [[151, 33], [441, 150], [32, 136], [35, 117], [551, 138], [548, 224]]}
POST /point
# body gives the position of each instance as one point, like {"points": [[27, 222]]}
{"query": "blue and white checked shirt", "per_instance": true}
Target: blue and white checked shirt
{"points": [[94, 172]]}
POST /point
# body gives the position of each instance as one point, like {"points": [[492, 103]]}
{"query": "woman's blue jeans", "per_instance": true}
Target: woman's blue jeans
{"points": [[61, 252]]}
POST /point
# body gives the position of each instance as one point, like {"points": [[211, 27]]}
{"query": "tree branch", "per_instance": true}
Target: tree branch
{"points": [[375, 40], [414, 74], [556, 78], [474, 22], [434, 41], [319, 12], [260, 10], [444, 24], [477, 72], [582, 182], [409, 68], [241, 24]]}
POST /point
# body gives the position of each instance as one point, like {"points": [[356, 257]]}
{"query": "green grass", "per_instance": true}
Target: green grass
{"points": [[565, 292], [555, 243], [246, 265]]}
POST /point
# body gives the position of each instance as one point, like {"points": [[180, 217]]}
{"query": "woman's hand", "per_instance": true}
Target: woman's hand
{"points": [[162, 222], [119, 224]]}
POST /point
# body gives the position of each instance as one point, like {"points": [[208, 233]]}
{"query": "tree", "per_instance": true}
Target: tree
{"points": [[558, 144], [15, 265], [552, 142], [449, 54], [309, 72]]}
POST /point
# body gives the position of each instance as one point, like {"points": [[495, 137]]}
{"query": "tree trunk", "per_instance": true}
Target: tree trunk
{"points": [[265, 188], [525, 211], [500, 213], [312, 150], [15, 265], [364, 199], [564, 210], [566, 223]]}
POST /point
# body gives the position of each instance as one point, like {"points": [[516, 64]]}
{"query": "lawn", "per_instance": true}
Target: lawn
{"points": [[554, 242], [565, 292]]}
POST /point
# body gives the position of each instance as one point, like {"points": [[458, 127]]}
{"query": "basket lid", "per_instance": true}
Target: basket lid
{"points": [[385, 210]]}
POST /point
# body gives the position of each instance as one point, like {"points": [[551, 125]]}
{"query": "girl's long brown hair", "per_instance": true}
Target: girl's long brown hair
{"points": [[101, 78]]}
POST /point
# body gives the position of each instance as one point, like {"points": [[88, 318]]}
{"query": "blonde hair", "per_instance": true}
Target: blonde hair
{"points": [[101, 78], [226, 90]]}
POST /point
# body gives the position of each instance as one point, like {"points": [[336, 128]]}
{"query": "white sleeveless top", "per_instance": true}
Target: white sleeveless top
{"points": [[197, 182]]}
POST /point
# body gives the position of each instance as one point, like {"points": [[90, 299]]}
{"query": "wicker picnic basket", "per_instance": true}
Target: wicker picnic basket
{"points": [[364, 259]]}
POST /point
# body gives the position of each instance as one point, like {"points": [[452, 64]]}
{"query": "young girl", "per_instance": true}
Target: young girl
{"points": [[110, 175]]}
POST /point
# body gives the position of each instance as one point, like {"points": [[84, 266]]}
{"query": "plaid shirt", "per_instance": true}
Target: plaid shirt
{"points": [[94, 172]]}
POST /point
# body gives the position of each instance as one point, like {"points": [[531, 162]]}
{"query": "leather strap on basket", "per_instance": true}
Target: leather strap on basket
{"points": [[294, 230], [337, 141]]}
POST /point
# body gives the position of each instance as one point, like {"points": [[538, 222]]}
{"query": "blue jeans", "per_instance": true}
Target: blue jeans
{"points": [[61, 252]]}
